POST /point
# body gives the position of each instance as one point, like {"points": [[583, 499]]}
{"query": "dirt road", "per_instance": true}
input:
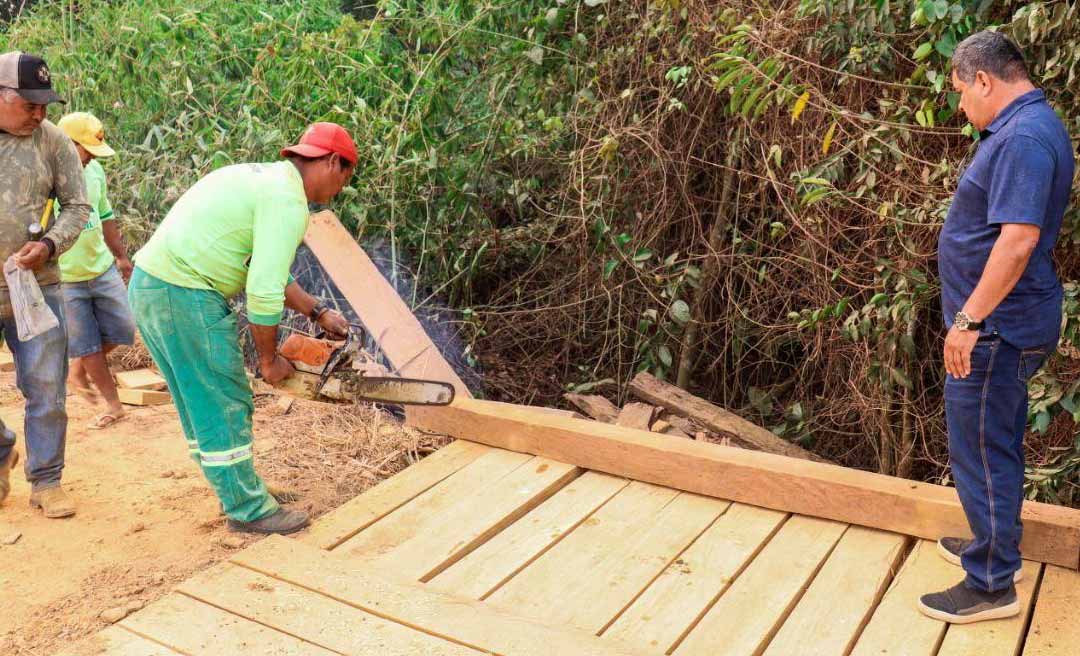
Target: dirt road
{"points": [[146, 520]]}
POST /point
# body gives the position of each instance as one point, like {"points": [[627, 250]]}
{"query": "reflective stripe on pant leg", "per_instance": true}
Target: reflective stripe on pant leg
{"points": [[225, 458]]}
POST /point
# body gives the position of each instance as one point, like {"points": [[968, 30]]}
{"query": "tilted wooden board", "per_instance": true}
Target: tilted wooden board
{"points": [[385, 316], [1051, 533]]}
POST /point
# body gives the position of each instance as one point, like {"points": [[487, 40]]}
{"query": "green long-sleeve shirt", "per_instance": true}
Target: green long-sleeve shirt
{"points": [[235, 229], [32, 169]]}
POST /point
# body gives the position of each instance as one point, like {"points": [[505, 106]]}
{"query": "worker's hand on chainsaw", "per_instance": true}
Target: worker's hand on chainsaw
{"points": [[334, 323], [278, 370]]}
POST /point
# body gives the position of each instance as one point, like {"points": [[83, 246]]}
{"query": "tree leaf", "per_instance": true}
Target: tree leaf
{"points": [[680, 311], [664, 353], [829, 138], [609, 268], [800, 105], [923, 51], [535, 55]]}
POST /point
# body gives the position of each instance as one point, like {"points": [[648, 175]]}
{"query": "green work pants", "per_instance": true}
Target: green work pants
{"points": [[192, 336]]}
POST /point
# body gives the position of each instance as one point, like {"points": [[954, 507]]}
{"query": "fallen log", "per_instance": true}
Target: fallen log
{"points": [[636, 415], [594, 405], [679, 402]]}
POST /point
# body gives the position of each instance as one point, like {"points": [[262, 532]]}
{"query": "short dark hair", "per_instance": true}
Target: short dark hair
{"points": [[990, 52]]}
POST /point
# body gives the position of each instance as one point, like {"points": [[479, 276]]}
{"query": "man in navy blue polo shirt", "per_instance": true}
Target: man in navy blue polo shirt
{"points": [[1002, 304]]}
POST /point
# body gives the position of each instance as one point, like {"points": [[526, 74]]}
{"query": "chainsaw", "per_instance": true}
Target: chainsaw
{"points": [[342, 371]]}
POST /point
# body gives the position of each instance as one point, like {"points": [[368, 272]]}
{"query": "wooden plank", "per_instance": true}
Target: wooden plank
{"points": [[476, 518], [680, 402], [192, 627], [500, 558], [1055, 630], [594, 405], [414, 517], [1000, 636], [674, 602], [596, 572], [311, 616], [145, 379], [897, 627], [385, 316], [747, 616], [142, 397], [838, 604], [636, 415], [466, 622], [116, 641], [1051, 533], [337, 526], [540, 408]]}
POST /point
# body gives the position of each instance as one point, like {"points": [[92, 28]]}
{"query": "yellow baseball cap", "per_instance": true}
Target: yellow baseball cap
{"points": [[87, 131]]}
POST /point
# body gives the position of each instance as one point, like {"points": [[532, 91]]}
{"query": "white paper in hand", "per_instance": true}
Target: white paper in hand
{"points": [[33, 316]]}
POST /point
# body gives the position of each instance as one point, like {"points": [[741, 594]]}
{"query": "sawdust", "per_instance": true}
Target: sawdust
{"points": [[147, 520]]}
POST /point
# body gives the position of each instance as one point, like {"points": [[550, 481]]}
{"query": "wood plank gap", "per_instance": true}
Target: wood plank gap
{"points": [[146, 636], [909, 546], [749, 561], [551, 545], [1031, 612], [410, 519], [161, 644], [522, 510], [386, 497], [455, 619], [786, 613], [374, 612], [660, 573], [255, 620]]}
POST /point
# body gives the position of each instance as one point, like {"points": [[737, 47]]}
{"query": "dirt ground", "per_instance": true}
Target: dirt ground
{"points": [[146, 519]]}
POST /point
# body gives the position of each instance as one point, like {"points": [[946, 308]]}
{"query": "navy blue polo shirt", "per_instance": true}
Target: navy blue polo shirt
{"points": [[1022, 172]]}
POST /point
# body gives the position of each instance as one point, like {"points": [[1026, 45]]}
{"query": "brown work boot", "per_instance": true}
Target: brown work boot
{"points": [[54, 502], [282, 522], [5, 473]]}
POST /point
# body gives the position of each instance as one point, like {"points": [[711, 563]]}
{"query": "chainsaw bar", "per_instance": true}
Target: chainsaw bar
{"points": [[409, 391]]}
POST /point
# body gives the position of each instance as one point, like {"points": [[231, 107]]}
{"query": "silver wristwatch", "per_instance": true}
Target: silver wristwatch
{"points": [[963, 322]]}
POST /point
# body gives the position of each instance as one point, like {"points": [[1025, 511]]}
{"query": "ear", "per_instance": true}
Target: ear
{"points": [[984, 82]]}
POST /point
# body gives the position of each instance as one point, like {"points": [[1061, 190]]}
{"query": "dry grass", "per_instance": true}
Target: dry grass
{"points": [[329, 453]]}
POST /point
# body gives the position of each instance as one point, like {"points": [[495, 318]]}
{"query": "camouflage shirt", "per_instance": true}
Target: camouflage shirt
{"points": [[31, 169]]}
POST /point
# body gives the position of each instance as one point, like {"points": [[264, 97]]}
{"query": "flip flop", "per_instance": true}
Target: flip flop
{"points": [[105, 420]]}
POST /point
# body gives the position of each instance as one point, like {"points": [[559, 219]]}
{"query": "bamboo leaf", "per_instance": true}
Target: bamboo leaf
{"points": [[829, 138], [800, 105]]}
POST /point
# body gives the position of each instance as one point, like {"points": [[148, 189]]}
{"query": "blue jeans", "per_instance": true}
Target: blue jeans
{"points": [[41, 369], [986, 415], [97, 314]]}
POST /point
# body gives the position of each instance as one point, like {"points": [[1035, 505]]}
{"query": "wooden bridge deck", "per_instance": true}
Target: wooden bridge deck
{"points": [[482, 550]]}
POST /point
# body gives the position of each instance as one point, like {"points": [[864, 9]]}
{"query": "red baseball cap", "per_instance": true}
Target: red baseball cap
{"points": [[321, 139]]}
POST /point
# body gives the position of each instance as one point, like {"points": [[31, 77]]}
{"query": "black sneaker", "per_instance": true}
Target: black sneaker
{"points": [[951, 548], [962, 605], [282, 522]]}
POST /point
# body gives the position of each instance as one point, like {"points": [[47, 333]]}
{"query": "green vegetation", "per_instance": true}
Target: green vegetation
{"points": [[743, 196]]}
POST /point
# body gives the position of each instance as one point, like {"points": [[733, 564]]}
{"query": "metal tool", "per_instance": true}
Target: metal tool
{"points": [[341, 371]]}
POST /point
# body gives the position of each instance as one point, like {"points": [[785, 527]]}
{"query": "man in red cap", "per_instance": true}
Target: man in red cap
{"points": [[237, 229]]}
